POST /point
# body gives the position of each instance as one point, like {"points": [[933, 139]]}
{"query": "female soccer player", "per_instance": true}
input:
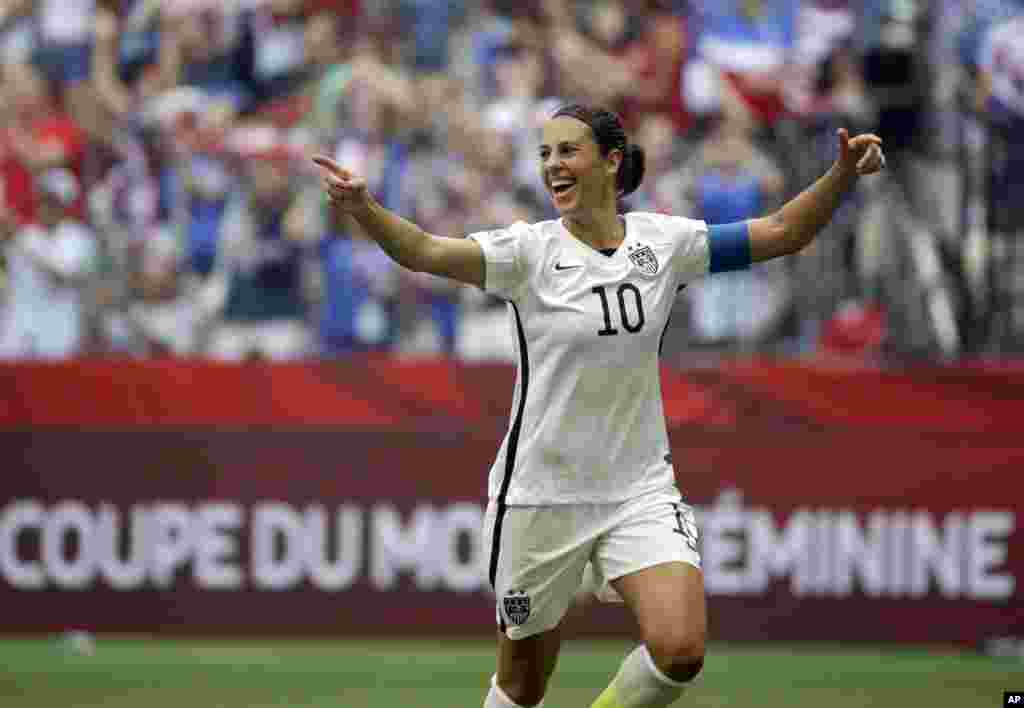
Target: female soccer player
{"points": [[584, 474]]}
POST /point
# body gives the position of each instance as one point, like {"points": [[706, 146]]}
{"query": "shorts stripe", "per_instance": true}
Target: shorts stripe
{"points": [[513, 443]]}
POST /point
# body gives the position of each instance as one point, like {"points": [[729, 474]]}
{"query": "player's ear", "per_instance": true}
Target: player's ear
{"points": [[613, 161]]}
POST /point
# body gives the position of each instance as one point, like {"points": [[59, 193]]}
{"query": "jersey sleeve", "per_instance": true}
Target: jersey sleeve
{"points": [[505, 259], [702, 250], [690, 255]]}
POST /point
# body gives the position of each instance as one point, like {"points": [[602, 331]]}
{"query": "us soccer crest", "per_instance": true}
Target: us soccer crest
{"points": [[517, 607], [644, 259]]}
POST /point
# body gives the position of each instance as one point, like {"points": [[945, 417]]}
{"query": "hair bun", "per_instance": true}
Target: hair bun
{"points": [[631, 170]]}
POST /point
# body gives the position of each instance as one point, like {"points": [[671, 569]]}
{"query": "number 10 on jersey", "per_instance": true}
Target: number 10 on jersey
{"points": [[633, 321]]}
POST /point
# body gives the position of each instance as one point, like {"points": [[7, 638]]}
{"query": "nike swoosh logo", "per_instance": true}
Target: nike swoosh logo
{"points": [[559, 266]]}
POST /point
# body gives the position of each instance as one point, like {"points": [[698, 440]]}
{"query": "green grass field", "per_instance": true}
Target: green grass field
{"points": [[124, 673]]}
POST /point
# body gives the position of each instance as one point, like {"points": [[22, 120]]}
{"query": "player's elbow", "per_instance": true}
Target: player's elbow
{"points": [[423, 257]]}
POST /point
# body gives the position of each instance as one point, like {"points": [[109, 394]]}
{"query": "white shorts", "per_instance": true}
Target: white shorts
{"points": [[538, 554]]}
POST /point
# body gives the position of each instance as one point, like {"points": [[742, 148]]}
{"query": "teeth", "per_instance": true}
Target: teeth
{"points": [[563, 183]]}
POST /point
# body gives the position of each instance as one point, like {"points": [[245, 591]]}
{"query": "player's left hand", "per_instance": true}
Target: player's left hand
{"points": [[861, 155]]}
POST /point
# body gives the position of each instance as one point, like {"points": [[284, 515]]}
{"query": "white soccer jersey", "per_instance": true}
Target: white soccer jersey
{"points": [[587, 422]]}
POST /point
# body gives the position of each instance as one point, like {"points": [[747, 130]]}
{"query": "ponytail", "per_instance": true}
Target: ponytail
{"points": [[631, 169]]}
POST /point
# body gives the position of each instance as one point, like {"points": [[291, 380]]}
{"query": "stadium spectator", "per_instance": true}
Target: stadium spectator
{"points": [[280, 32], [751, 44], [518, 108], [505, 23], [430, 23], [591, 53], [261, 267], [359, 310], [18, 36], [1000, 98], [1001, 75], [823, 60], [126, 56], [658, 58], [202, 176], [149, 104], [161, 319], [360, 284], [37, 137], [728, 180], [48, 268], [893, 45], [208, 46], [662, 191], [59, 33], [975, 19]]}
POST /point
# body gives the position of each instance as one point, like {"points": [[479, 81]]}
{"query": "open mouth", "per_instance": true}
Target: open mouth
{"points": [[562, 187]]}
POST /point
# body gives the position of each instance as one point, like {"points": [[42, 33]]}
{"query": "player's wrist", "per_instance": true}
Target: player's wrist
{"points": [[365, 209], [845, 174]]}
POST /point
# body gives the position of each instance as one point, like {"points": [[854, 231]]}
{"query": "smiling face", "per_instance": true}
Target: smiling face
{"points": [[576, 175]]}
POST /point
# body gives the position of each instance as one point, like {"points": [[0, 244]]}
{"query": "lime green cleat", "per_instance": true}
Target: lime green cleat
{"points": [[608, 699]]}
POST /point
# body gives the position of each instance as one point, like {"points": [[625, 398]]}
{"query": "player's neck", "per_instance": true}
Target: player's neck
{"points": [[599, 230]]}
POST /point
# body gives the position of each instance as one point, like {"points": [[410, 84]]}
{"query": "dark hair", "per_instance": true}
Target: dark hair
{"points": [[610, 135]]}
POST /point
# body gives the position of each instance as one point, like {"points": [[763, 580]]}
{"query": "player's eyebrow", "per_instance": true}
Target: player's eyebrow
{"points": [[564, 143]]}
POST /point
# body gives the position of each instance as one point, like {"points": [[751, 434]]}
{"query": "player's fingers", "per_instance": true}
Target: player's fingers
{"points": [[873, 160], [330, 165], [354, 185], [863, 142], [871, 155], [865, 158], [844, 143], [326, 162], [337, 190], [338, 196]]}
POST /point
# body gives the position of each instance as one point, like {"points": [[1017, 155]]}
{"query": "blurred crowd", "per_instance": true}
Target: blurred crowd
{"points": [[158, 198]]}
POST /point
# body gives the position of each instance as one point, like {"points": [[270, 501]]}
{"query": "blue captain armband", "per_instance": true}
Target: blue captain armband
{"points": [[730, 247]]}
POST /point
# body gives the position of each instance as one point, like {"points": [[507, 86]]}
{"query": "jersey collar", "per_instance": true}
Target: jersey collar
{"points": [[592, 255]]}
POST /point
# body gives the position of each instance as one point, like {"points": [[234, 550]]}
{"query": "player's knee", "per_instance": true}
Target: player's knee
{"points": [[524, 690], [679, 655]]}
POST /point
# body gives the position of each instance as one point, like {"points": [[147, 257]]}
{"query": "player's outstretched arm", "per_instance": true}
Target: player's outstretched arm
{"points": [[410, 246], [796, 224]]}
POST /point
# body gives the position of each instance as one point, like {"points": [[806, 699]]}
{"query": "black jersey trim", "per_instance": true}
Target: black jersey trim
{"points": [[668, 321], [513, 443]]}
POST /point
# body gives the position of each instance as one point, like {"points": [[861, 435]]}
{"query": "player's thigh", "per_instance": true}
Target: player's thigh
{"points": [[650, 559], [669, 604]]}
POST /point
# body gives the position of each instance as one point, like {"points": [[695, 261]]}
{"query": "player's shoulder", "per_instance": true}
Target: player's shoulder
{"points": [[541, 229], [523, 229], [535, 234], [663, 227]]}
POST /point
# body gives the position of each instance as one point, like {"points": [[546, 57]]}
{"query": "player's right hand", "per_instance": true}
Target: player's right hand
{"points": [[346, 192]]}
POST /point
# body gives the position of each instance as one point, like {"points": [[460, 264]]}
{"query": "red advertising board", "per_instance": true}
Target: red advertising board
{"points": [[346, 499]]}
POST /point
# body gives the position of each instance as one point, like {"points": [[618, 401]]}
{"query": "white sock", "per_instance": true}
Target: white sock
{"points": [[496, 698], [640, 684]]}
